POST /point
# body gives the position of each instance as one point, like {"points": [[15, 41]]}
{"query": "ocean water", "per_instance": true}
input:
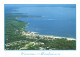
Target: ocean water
{"points": [[56, 21]]}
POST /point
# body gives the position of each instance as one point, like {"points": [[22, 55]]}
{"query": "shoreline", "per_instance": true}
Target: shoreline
{"points": [[47, 36]]}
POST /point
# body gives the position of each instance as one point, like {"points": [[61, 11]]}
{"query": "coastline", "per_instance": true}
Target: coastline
{"points": [[34, 41], [47, 36]]}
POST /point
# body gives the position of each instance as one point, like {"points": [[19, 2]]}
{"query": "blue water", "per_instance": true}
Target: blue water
{"points": [[56, 21]]}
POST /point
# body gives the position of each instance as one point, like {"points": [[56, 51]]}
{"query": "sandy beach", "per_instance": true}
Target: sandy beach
{"points": [[47, 36]]}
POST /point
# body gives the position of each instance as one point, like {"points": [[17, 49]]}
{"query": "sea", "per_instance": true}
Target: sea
{"points": [[49, 20]]}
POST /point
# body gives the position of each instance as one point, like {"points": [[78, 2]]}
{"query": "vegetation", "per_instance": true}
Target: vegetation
{"points": [[15, 40]]}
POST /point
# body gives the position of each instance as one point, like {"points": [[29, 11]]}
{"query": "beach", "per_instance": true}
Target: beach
{"points": [[33, 35]]}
